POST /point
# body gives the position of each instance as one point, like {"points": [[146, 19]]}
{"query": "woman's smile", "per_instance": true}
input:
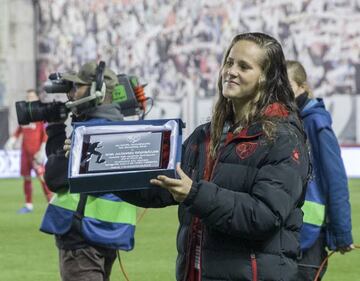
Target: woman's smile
{"points": [[230, 82]]}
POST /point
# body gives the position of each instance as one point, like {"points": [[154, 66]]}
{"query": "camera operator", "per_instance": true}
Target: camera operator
{"points": [[88, 229]]}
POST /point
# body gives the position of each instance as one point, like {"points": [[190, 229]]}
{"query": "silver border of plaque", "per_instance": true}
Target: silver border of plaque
{"points": [[121, 152], [111, 129]]}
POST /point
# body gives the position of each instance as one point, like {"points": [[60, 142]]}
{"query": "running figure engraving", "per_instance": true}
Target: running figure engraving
{"points": [[92, 151]]}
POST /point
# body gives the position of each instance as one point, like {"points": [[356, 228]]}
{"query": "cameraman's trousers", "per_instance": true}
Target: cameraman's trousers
{"points": [[86, 264]]}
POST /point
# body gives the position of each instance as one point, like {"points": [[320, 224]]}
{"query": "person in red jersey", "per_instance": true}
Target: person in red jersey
{"points": [[32, 155]]}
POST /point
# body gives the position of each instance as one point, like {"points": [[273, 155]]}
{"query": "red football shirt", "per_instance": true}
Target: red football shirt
{"points": [[33, 136]]}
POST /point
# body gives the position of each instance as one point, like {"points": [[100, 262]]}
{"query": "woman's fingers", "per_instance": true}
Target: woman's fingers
{"points": [[179, 188], [184, 177], [169, 181], [157, 182], [180, 172]]}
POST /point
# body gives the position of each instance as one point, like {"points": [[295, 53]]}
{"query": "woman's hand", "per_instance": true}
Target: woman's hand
{"points": [[179, 188]]}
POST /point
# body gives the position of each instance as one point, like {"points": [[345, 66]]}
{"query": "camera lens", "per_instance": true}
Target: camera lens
{"points": [[37, 111], [22, 112]]}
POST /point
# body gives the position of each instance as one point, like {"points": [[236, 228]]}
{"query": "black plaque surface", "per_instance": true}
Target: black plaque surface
{"points": [[115, 152]]}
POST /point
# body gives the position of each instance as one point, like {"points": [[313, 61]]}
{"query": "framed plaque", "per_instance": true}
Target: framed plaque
{"points": [[123, 155], [131, 151]]}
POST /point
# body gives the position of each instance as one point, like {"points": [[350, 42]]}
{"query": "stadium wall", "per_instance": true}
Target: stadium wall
{"points": [[17, 54]]}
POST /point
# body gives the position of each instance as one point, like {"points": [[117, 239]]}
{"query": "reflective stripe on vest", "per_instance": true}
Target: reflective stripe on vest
{"points": [[314, 213], [98, 208]]}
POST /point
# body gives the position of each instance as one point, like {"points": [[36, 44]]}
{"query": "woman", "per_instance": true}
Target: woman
{"points": [[326, 191], [242, 176]]}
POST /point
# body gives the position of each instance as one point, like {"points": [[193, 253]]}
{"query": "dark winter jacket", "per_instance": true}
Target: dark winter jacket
{"points": [[250, 208]]}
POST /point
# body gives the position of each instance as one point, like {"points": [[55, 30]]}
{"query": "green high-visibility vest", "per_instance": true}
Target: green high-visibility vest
{"points": [[314, 213], [98, 208]]}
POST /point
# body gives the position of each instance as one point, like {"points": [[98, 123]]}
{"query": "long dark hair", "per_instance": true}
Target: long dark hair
{"points": [[273, 87]]}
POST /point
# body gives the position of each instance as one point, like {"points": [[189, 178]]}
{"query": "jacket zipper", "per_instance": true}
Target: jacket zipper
{"points": [[187, 263], [192, 221], [253, 267], [200, 252]]}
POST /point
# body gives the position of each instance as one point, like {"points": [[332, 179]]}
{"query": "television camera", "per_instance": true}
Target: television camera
{"points": [[129, 94]]}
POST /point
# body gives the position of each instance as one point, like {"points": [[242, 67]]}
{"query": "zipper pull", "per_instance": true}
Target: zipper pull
{"points": [[253, 266]]}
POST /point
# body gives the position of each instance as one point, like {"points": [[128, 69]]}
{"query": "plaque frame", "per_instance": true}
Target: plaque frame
{"points": [[131, 149], [107, 181]]}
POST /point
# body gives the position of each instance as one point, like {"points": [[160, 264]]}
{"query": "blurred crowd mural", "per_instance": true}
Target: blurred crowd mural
{"points": [[177, 46]]}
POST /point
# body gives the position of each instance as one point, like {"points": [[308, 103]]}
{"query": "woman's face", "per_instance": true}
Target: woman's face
{"points": [[241, 71]]}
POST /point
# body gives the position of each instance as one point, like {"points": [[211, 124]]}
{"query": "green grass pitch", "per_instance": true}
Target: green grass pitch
{"points": [[27, 254]]}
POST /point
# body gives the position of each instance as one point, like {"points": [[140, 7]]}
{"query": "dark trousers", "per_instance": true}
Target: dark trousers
{"points": [[311, 261], [86, 264]]}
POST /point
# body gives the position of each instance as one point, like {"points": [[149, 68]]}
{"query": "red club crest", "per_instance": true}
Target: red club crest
{"points": [[296, 155], [245, 149]]}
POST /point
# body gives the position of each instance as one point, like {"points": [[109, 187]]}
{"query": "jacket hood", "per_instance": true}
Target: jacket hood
{"points": [[111, 112], [315, 106], [276, 111], [280, 111]]}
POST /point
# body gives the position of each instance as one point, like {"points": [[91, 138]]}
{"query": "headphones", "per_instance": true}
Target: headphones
{"points": [[96, 95], [98, 87]]}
